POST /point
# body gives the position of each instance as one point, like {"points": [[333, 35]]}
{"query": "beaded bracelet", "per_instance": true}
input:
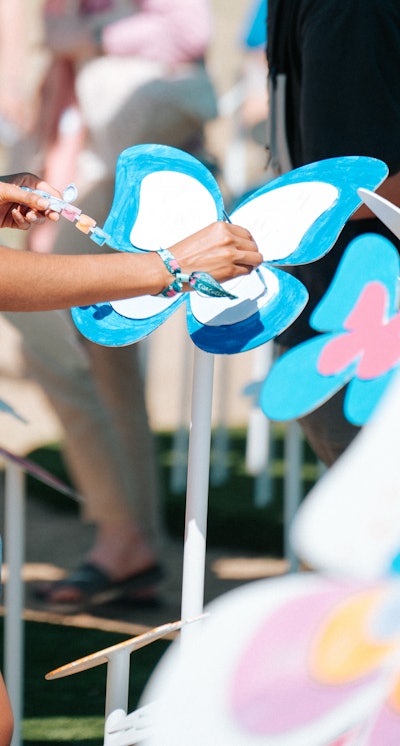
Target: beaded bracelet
{"points": [[203, 282], [83, 223]]}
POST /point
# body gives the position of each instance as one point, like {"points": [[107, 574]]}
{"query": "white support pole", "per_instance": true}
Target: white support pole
{"points": [[117, 687], [194, 554], [220, 436], [292, 486], [180, 441], [14, 540], [258, 441]]}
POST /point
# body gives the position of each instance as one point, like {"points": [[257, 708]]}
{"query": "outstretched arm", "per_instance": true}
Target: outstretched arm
{"points": [[38, 282]]}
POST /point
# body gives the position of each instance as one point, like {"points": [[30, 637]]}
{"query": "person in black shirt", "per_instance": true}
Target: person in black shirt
{"points": [[333, 80]]}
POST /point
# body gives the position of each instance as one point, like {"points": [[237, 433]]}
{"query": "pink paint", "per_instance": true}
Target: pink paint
{"points": [[371, 339], [273, 690]]}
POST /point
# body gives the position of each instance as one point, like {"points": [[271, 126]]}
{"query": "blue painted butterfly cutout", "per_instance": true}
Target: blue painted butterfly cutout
{"points": [[163, 195], [358, 343]]}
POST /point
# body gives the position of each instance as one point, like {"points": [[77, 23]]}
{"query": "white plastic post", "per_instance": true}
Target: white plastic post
{"points": [[220, 435], [258, 440], [181, 436], [120, 729], [197, 488], [14, 541], [292, 486], [117, 687]]}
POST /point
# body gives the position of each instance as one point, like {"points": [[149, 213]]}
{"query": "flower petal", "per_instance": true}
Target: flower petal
{"points": [[369, 258], [162, 195], [265, 215], [294, 387]]}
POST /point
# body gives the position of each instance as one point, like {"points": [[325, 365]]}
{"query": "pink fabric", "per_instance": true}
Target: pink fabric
{"points": [[179, 30]]}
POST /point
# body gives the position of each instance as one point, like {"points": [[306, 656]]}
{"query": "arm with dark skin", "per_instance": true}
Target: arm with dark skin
{"points": [[37, 282], [390, 190], [6, 719]]}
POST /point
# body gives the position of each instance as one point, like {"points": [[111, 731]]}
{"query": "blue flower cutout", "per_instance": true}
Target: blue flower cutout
{"points": [[163, 195], [358, 344]]}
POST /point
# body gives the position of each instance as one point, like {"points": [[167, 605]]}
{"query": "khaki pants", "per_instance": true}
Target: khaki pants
{"points": [[127, 101], [98, 394]]}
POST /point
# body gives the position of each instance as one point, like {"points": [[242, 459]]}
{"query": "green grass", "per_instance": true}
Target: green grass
{"points": [[71, 710]]}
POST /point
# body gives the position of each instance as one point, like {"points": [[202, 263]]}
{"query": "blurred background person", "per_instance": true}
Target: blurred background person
{"points": [[118, 74]]}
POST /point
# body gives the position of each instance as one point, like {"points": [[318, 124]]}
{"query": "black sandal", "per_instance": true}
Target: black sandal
{"points": [[96, 587]]}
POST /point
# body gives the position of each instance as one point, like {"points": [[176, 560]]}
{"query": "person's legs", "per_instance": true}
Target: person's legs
{"points": [[121, 387], [107, 440], [327, 429], [107, 436], [98, 395]]}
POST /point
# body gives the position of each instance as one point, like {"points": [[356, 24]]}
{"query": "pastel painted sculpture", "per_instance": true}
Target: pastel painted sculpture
{"points": [[296, 661]]}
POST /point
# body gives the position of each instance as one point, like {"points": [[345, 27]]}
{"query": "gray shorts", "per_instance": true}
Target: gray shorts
{"points": [[327, 430]]}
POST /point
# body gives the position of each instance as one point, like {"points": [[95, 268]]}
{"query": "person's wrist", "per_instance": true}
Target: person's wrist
{"points": [[161, 275], [203, 282], [171, 285]]}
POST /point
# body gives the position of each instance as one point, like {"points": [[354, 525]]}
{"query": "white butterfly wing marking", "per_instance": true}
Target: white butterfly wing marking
{"points": [[173, 205], [279, 219]]}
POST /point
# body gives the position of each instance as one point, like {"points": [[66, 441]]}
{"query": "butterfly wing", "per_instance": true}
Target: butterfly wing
{"points": [[293, 219], [162, 195], [297, 218]]}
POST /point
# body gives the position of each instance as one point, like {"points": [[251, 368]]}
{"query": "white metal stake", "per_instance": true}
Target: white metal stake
{"points": [[258, 442], [220, 435], [197, 488], [181, 436], [292, 486], [14, 591], [117, 687]]}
